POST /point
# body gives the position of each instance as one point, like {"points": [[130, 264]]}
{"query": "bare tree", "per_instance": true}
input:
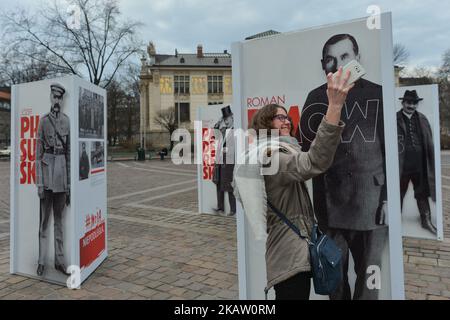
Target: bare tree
{"points": [[401, 54], [116, 97], [444, 70], [132, 105], [167, 120], [14, 69], [123, 106], [90, 39]]}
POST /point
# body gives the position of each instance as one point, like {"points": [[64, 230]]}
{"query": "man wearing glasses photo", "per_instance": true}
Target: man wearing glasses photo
{"points": [[350, 198]]}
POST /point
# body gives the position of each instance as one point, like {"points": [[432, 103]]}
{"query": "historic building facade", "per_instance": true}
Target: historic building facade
{"points": [[5, 116], [181, 82]]}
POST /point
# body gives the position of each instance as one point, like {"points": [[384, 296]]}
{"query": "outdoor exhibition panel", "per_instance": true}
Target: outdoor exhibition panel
{"points": [[352, 198], [58, 179]]}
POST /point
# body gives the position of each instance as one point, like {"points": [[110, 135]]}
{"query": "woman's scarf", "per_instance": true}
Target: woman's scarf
{"points": [[248, 183]]}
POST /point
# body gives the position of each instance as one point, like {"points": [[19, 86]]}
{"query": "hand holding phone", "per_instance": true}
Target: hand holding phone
{"points": [[337, 90], [356, 71]]}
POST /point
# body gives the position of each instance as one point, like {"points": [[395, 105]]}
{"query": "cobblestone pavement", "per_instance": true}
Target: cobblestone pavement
{"points": [[427, 262], [161, 248]]}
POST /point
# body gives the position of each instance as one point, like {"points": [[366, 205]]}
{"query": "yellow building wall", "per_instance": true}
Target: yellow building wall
{"points": [[199, 93], [160, 96]]}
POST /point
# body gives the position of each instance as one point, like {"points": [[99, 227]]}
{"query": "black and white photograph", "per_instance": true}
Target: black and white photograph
{"points": [[91, 115], [84, 163], [223, 170], [53, 179], [97, 154], [418, 154], [349, 198]]}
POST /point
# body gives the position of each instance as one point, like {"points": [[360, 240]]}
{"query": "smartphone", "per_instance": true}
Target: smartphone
{"points": [[356, 71]]}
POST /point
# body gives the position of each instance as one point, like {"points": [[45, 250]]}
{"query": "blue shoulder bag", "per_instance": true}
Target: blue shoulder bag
{"points": [[325, 257]]}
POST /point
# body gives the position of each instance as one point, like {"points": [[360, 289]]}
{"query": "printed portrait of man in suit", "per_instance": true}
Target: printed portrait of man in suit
{"points": [[350, 198], [53, 177], [223, 168]]}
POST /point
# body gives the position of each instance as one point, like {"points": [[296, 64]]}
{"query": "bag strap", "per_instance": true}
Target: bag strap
{"points": [[57, 133], [287, 221]]}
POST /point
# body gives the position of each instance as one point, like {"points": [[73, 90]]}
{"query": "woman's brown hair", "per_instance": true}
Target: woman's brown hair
{"points": [[263, 118]]}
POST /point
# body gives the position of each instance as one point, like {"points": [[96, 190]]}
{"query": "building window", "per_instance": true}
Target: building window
{"points": [[5, 105], [215, 84], [215, 102], [182, 112], [181, 84]]}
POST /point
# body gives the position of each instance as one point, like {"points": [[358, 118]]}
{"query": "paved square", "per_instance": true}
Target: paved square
{"points": [[161, 248]]}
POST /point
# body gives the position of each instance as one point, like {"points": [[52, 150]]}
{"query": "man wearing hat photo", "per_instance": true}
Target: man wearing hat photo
{"points": [[416, 156], [224, 166], [53, 176]]}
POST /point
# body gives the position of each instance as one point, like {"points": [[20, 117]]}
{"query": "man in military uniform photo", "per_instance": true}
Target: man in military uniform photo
{"points": [[416, 156], [53, 176]]}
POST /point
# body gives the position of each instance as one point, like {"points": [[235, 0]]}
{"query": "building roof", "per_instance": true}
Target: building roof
{"points": [[5, 94], [263, 34], [210, 60]]}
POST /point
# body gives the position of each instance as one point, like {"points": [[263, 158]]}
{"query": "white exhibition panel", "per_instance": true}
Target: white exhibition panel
{"points": [[207, 143], [429, 107]]}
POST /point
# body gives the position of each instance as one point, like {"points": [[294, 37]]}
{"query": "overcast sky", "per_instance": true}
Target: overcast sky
{"points": [[422, 26]]}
